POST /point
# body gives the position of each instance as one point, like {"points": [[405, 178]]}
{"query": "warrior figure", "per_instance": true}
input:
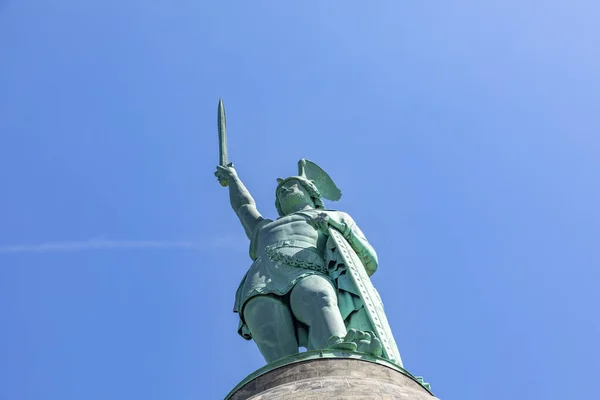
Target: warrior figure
{"points": [[309, 283], [297, 293]]}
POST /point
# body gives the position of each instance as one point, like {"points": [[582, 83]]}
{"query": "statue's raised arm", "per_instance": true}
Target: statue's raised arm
{"points": [[241, 201]]}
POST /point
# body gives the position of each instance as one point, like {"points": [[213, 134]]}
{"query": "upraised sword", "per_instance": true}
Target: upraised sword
{"points": [[222, 127]]}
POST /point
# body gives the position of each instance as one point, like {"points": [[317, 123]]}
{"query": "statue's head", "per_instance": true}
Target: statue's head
{"points": [[306, 189], [296, 192]]}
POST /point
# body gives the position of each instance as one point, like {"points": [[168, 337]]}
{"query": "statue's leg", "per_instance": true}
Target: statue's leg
{"points": [[314, 302], [272, 327]]}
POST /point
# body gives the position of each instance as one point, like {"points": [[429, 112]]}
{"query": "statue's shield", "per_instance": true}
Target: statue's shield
{"points": [[373, 305]]}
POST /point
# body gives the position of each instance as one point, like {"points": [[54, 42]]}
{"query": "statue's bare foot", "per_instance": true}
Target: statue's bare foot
{"points": [[355, 340], [370, 344], [340, 343]]}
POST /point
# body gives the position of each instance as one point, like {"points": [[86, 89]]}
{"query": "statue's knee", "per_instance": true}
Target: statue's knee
{"points": [[325, 296], [316, 291], [327, 299]]}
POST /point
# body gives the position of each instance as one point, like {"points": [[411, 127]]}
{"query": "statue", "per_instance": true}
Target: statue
{"points": [[308, 285]]}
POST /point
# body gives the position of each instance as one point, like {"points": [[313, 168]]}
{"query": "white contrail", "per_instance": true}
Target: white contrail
{"points": [[101, 244]]}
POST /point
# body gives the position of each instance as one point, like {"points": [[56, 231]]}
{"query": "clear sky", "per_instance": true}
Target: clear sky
{"points": [[464, 136]]}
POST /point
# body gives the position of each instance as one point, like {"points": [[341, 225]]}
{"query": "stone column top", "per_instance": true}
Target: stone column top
{"points": [[331, 375]]}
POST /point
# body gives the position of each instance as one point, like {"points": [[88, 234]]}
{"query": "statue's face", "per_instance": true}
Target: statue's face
{"points": [[293, 196]]}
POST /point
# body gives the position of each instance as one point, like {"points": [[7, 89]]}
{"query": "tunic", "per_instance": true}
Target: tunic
{"points": [[280, 264]]}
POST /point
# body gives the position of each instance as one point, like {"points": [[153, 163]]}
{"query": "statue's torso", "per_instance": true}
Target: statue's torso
{"points": [[291, 228]]}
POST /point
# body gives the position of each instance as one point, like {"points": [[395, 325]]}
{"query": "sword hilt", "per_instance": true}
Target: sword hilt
{"points": [[223, 180]]}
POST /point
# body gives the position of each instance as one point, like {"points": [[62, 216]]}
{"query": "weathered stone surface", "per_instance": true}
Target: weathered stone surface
{"points": [[332, 378]]}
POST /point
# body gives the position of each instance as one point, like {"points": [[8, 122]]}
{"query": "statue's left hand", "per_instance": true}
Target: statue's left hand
{"points": [[322, 222]]}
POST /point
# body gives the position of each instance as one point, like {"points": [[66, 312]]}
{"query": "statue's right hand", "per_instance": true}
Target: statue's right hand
{"points": [[225, 173]]}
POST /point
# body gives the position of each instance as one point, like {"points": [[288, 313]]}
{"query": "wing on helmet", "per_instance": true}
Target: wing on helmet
{"points": [[322, 181]]}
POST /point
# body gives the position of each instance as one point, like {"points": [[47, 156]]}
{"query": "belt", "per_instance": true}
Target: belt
{"points": [[274, 255]]}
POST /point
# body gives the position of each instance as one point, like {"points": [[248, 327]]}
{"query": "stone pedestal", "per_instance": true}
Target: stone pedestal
{"points": [[330, 375]]}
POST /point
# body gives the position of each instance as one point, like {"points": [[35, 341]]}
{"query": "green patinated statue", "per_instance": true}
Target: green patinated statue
{"points": [[308, 285]]}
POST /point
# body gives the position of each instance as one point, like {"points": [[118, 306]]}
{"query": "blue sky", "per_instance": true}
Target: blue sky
{"points": [[464, 136]]}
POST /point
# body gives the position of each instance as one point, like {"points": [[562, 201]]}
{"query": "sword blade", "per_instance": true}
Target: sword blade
{"points": [[222, 126]]}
